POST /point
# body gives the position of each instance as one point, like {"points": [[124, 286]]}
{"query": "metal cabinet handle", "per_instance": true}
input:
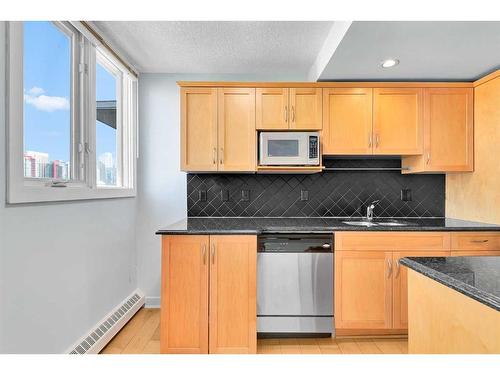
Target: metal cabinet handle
{"points": [[222, 155], [428, 157], [213, 254], [204, 250], [214, 157], [376, 140], [370, 138], [389, 267], [397, 268], [286, 113], [293, 113], [479, 241]]}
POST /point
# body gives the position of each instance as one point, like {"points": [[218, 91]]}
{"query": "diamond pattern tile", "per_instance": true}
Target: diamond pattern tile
{"points": [[336, 193]]}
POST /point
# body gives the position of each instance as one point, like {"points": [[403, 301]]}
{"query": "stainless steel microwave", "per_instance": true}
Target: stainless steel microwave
{"points": [[289, 148]]}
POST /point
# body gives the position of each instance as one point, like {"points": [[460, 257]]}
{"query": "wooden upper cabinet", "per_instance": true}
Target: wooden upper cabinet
{"points": [[236, 129], [271, 108], [398, 121], [448, 132], [305, 109], [233, 304], [347, 121], [184, 295], [199, 129], [400, 285], [283, 108], [363, 289]]}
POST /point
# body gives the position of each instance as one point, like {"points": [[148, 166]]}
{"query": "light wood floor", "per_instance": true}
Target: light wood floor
{"points": [[141, 335]]}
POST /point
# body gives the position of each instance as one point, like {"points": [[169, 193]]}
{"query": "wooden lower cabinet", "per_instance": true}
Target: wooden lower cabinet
{"points": [[208, 297], [363, 289], [233, 301], [371, 288], [400, 285], [184, 295]]}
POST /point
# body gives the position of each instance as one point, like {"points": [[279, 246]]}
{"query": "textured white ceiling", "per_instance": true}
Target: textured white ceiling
{"points": [[426, 50], [290, 50], [253, 48]]}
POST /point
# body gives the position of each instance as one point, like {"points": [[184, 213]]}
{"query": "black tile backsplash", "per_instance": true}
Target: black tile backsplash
{"points": [[335, 193]]}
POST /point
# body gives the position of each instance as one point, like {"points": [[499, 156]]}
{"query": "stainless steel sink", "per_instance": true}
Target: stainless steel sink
{"points": [[392, 224], [368, 223], [361, 223]]}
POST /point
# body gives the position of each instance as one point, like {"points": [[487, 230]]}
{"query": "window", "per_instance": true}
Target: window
{"points": [[72, 116], [107, 124], [47, 63]]}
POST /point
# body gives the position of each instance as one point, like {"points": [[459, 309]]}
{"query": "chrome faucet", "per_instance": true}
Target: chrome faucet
{"points": [[369, 210]]}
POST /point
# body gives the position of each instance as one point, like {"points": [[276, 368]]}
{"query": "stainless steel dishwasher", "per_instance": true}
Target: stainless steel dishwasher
{"points": [[295, 285]]}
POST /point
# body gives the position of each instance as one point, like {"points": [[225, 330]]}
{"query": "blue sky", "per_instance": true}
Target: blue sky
{"points": [[47, 84]]}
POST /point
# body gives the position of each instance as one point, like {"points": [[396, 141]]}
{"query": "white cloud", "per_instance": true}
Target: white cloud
{"points": [[35, 91], [45, 103]]}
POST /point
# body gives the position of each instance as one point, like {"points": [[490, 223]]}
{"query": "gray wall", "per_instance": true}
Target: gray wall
{"points": [[63, 266]]}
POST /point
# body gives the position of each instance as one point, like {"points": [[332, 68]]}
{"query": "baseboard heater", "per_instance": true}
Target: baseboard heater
{"points": [[107, 328]]}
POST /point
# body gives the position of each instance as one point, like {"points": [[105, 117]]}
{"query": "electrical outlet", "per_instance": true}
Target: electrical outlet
{"points": [[304, 195], [406, 195], [245, 195], [224, 195], [202, 195]]}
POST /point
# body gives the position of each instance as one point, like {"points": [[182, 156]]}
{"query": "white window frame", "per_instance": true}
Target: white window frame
{"points": [[83, 184]]}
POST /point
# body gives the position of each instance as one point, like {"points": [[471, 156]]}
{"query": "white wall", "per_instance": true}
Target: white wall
{"points": [[161, 184], [63, 266]]}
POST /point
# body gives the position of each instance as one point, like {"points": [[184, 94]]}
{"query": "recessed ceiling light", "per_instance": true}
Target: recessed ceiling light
{"points": [[389, 63]]}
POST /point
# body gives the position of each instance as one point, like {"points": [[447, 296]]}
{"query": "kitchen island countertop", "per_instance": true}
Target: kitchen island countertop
{"points": [[476, 277]]}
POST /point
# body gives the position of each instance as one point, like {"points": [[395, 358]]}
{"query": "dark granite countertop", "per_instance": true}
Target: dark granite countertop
{"points": [[475, 277], [254, 225]]}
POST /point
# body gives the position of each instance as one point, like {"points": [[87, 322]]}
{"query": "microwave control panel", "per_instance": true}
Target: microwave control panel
{"points": [[313, 147]]}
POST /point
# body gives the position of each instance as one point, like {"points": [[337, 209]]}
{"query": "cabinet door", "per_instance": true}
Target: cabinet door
{"points": [[198, 129], [363, 289], [306, 109], [233, 304], [347, 121], [271, 108], [400, 285], [184, 295], [398, 121], [448, 127], [236, 129]]}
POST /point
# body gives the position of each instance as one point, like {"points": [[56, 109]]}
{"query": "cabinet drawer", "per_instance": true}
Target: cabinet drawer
{"points": [[475, 253], [475, 241], [384, 241]]}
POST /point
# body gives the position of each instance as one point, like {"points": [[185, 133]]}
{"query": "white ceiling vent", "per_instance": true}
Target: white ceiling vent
{"points": [[106, 329]]}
